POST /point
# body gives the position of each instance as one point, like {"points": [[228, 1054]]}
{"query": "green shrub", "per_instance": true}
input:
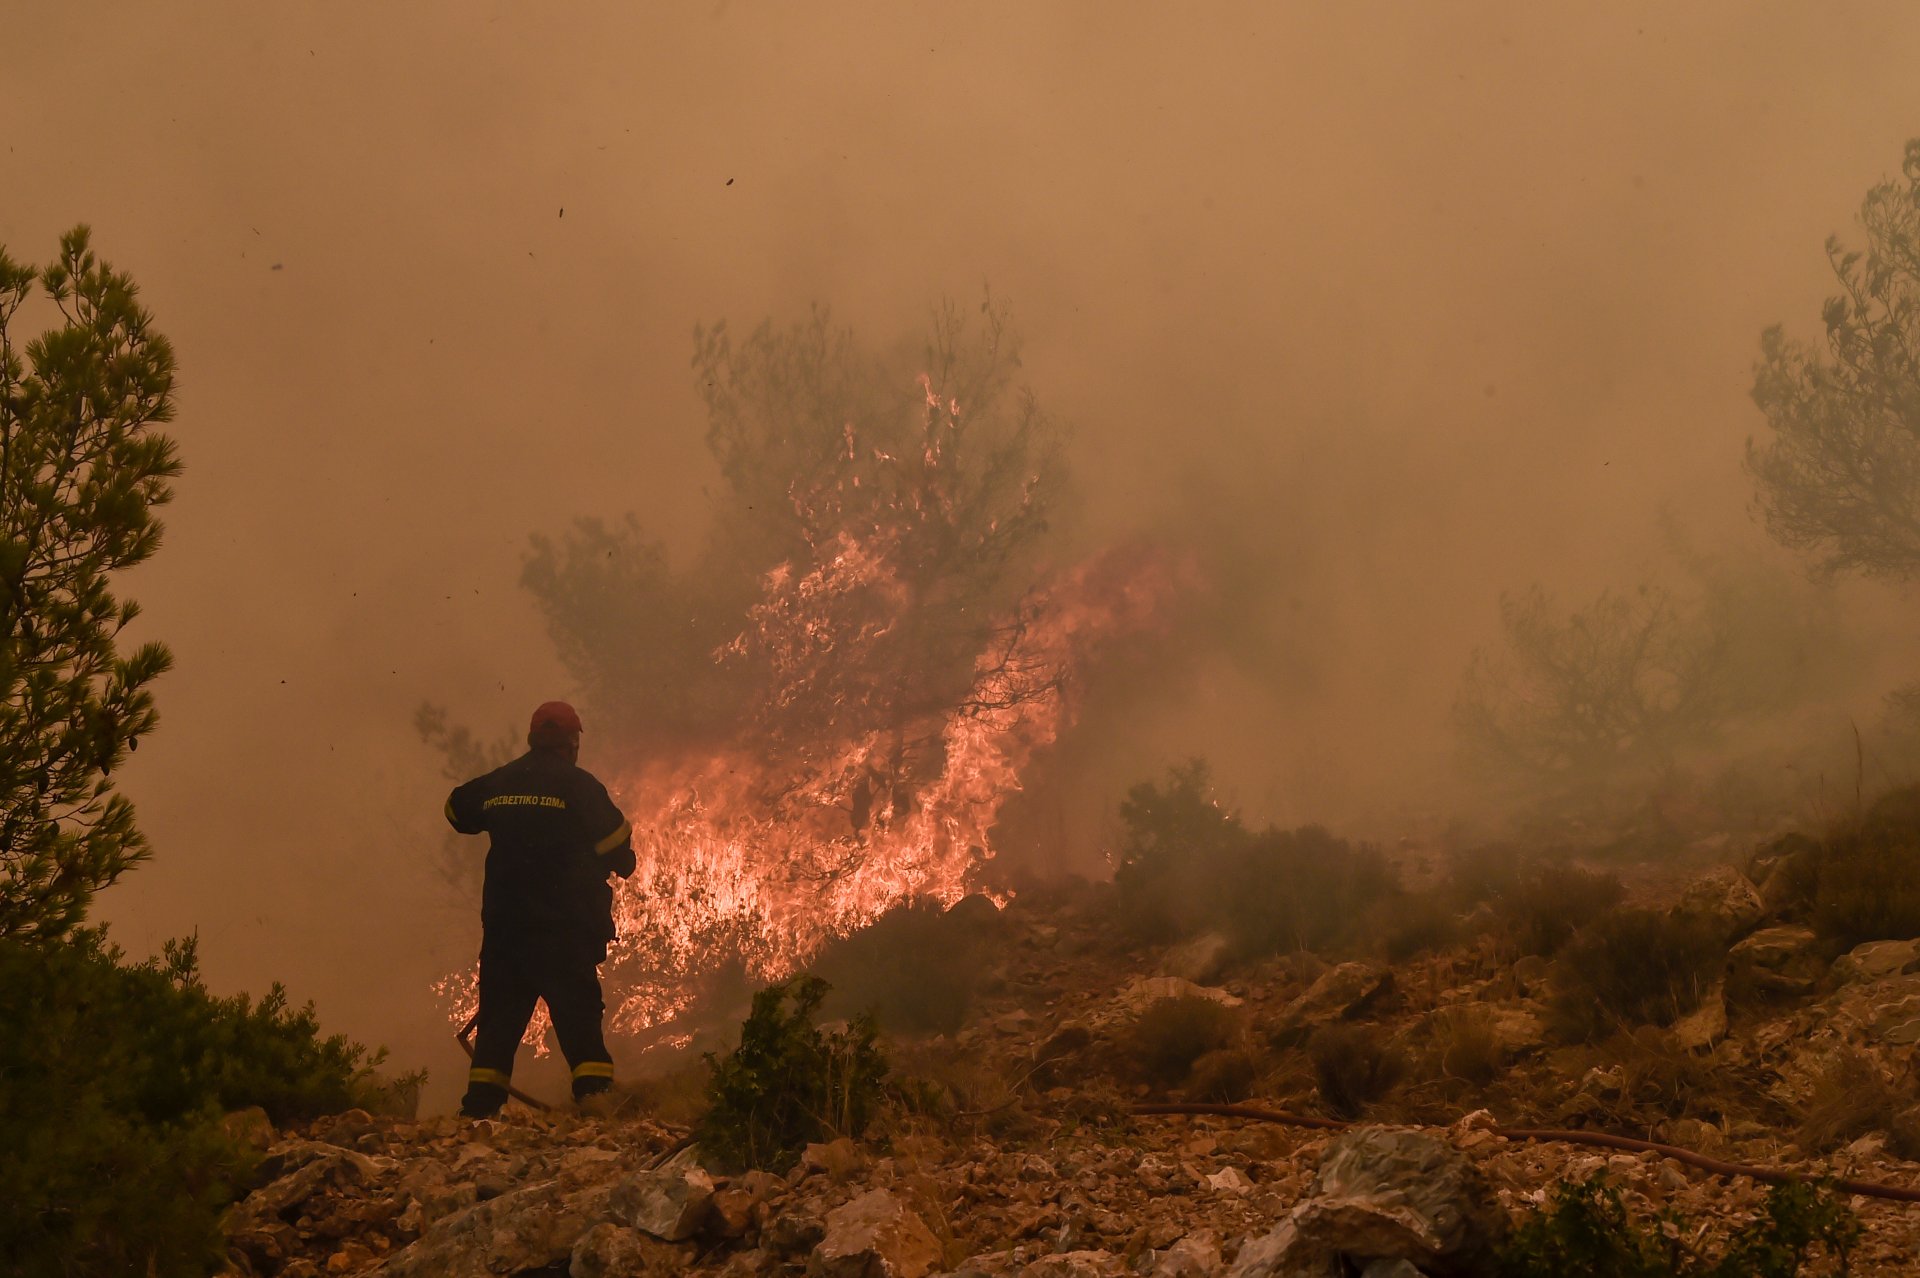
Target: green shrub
{"points": [[788, 1083], [115, 1079], [916, 968], [1355, 1066], [1173, 1033], [1633, 967], [1188, 865], [1587, 1232]]}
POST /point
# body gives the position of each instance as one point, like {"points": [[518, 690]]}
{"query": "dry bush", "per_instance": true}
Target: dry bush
{"points": [[1414, 923], [1551, 903], [1463, 1046], [1188, 865], [1225, 1076], [1488, 872], [1851, 1097], [1355, 1066], [915, 969], [1633, 967], [1659, 1078], [1174, 1033]]}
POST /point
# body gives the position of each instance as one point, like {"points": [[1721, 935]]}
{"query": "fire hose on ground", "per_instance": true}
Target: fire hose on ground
{"points": [[1602, 1140]]}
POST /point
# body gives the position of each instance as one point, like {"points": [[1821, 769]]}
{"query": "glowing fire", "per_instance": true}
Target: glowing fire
{"points": [[846, 797]]}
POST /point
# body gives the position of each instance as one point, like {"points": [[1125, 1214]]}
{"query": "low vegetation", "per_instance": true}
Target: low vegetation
{"points": [[1863, 882], [1587, 1231], [117, 1076], [915, 970], [1173, 1033], [1189, 865], [789, 1083], [1853, 1097], [1355, 1066], [1633, 967]]}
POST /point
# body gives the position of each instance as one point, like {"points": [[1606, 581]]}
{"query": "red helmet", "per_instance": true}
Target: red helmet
{"points": [[556, 716]]}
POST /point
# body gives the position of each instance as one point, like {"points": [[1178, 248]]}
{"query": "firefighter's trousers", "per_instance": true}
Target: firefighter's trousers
{"points": [[517, 971]]}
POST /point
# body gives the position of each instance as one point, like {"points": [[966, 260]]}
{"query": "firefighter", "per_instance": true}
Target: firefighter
{"points": [[546, 912]]}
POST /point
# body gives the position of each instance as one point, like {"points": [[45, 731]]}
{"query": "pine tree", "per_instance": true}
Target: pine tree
{"points": [[82, 470]]}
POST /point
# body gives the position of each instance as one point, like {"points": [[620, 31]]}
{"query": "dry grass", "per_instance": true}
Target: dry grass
{"points": [[1463, 1046], [1853, 1097]]}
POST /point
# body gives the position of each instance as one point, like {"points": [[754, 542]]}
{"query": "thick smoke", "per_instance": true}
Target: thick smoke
{"points": [[1385, 310]]}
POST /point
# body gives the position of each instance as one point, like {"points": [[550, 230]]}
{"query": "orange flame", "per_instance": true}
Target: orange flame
{"points": [[846, 802]]}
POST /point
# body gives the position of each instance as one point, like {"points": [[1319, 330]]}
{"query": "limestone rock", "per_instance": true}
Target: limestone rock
{"points": [[1342, 991], [608, 1251], [1143, 992], [1877, 960], [670, 1202], [874, 1236], [1195, 1256], [1706, 1024], [1724, 898], [793, 1231], [250, 1127], [1201, 960], [1382, 1195], [839, 1159], [526, 1229], [1776, 961], [1075, 1264]]}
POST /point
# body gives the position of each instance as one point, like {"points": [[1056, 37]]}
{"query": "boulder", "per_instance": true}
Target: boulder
{"points": [[874, 1236], [251, 1128], [793, 1231], [839, 1159], [1706, 1024], [1725, 899], [1342, 992], [1144, 991], [1382, 1195], [1776, 961], [1877, 960], [1075, 1264], [529, 1228], [608, 1251], [1201, 960], [669, 1202], [1195, 1256]]}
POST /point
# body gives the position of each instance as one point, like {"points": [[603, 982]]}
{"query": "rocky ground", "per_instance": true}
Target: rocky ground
{"points": [[1034, 1165]]}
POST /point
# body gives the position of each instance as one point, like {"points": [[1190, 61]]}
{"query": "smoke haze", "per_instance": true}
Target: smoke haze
{"points": [[1389, 308]]}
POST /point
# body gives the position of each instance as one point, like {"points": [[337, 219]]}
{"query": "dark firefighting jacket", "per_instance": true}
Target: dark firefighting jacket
{"points": [[555, 835]]}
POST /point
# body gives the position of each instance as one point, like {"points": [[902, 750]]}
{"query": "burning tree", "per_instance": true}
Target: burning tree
{"points": [[820, 716]]}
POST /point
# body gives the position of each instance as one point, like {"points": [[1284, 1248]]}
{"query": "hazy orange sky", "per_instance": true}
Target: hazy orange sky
{"points": [[1406, 303]]}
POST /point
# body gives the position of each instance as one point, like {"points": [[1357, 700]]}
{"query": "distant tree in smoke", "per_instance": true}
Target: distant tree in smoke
{"points": [[1840, 477], [1573, 703], [82, 470]]}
